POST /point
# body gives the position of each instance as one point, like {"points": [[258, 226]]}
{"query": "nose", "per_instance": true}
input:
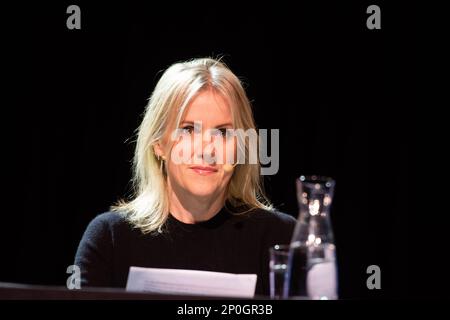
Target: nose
{"points": [[206, 150]]}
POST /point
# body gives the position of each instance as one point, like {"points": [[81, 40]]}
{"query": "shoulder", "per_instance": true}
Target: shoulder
{"points": [[106, 223], [273, 216], [108, 219], [271, 226], [274, 219], [102, 232]]}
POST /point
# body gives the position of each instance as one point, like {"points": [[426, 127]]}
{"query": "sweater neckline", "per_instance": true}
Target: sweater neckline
{"points": [[215, 221]]}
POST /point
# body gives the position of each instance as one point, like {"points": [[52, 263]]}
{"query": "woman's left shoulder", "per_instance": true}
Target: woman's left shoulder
{"points": [[276, 226], [273, 217]]}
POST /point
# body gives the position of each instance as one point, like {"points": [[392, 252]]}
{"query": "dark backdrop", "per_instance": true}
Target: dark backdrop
{"points": [[338, 92]]}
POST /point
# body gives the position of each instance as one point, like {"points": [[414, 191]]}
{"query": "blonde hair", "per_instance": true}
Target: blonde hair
{"points": [[180, 83]]}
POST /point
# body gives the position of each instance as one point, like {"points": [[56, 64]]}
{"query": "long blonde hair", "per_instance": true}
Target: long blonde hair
{"points": [[180, 83]]}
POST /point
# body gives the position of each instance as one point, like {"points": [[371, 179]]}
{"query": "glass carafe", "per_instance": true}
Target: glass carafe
{"points": [[312, 270]]}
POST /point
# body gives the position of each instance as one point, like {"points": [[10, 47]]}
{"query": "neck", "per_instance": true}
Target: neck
{"points": [[191, 209]]}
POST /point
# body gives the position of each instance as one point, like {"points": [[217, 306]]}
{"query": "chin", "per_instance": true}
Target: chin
{"points": [[202, 190]]}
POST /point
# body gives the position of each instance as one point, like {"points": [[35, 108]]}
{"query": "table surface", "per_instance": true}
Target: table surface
{"points": [[17, 291]]}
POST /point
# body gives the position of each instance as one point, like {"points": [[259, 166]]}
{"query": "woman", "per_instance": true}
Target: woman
{"points": [[207, 212]]}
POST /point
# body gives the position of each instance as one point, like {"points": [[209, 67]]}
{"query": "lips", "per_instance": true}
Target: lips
{"points": [[204, 170]]}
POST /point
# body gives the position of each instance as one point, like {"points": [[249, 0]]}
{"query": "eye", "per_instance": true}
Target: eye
{"points": [[221, 132], [187, 129]]}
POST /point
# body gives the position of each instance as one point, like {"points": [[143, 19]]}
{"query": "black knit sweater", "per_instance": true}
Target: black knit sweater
{"points": [[225, 243]]}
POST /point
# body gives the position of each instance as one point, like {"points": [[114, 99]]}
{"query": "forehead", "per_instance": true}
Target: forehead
{"points": [[208, 106]]}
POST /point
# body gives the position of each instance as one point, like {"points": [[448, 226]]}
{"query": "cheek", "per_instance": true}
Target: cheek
{"points": [[176, 171], [182, 151], [226, 177], [229, 151]]}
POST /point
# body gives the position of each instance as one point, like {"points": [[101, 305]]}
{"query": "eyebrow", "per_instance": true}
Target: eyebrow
{"points": [[227, 124]]}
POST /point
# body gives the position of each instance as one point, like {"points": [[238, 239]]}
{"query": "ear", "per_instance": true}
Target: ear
{"points": [[158, 149]]}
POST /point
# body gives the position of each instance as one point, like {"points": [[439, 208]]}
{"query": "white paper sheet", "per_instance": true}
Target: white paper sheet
{"points": [[191, 282]]}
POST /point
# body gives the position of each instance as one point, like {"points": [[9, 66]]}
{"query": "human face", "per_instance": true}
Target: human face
{"points": [[206, 150]]}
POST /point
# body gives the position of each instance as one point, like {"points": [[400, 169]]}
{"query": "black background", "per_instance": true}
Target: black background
{"points": [[339, 93]]}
